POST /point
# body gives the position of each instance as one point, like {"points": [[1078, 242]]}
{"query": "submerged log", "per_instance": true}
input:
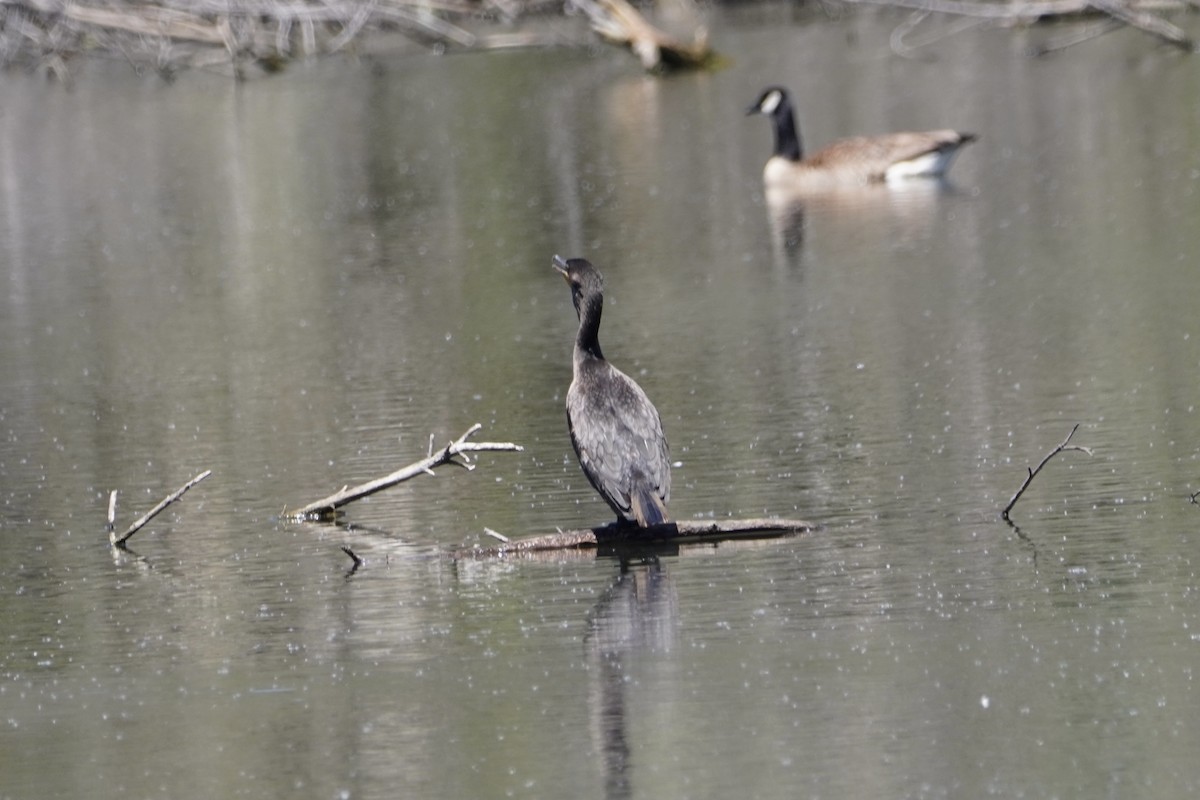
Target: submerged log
{"points": [[618, 537]]}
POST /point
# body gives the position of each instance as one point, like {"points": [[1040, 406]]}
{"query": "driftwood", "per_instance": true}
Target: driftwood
{"points": [[1064, 445], [326, 506], [1135, 13], [619, 537], [618, 22], [140, 522]]}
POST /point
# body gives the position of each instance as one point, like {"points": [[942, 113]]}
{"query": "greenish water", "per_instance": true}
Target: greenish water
{"points": [[296, 281]]}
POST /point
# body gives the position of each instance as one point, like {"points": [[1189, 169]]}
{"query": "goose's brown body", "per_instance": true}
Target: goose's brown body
{"points": [[857, 161]]}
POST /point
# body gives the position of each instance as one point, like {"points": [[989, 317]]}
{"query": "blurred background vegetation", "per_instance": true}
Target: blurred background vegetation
{"points": [[248, 37]]}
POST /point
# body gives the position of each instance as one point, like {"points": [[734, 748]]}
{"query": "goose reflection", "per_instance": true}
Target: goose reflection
{"points": [[639, 612], [906, 211]]}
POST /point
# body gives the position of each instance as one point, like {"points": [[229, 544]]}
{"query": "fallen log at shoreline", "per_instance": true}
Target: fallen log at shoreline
{"points": [[621, 537]]}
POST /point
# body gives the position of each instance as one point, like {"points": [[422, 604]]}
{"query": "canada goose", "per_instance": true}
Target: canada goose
{"points": [[615, 429], [850, 162]]}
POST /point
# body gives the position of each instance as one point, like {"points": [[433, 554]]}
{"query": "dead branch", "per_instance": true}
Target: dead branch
{"points": [[1130, 12], [148, 22], [112, 513], [501, 537], [1064, 445], [119, 541], [905, 48], [999, 11], [324, 508], [1086, 35], [1144, 21], [618, 22], [614, 535], [175, 33]]}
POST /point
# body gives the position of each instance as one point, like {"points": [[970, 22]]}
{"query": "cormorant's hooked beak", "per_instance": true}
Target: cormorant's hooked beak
{"points": [[560, 264]]}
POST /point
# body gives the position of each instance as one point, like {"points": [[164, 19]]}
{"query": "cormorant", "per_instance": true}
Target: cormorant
{"points": [[615, 429]]}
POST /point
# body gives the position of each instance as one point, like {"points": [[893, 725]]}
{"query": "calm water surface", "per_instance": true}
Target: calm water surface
{"points": [[296, 281]]}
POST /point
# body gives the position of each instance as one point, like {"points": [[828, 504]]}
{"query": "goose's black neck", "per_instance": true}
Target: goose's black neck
{"points": [[787, 137], [588, 305]]}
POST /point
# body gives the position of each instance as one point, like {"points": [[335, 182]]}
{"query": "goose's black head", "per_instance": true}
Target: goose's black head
{"points": [[774, 100], [775, 104]]}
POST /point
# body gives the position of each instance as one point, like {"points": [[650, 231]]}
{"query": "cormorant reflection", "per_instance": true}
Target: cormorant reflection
{"points": [[639, 612]]}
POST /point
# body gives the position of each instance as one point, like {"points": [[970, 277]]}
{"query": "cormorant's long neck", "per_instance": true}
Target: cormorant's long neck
{"points": [[787, 138], [588, 338]]}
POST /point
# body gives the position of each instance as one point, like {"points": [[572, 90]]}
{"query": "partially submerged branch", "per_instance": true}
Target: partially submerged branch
{"points": [[112, 513], [450, 454], [1064, 445], [119, 541], [614, 535]]}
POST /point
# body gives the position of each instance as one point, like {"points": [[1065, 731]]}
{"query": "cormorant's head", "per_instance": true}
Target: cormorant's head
{"points": [[587, 285]]}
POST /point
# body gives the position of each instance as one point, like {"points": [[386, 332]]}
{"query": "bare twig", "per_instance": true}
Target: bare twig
{"points": [[350, 29], [358, 562], [1070, 40], [496, 535], [1064, 445], [119, 541], [112, 512], [324, 507], [905, 48], [1143, 21]]}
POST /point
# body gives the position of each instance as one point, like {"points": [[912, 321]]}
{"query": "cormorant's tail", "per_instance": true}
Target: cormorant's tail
{"points": [[648, 508]]}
